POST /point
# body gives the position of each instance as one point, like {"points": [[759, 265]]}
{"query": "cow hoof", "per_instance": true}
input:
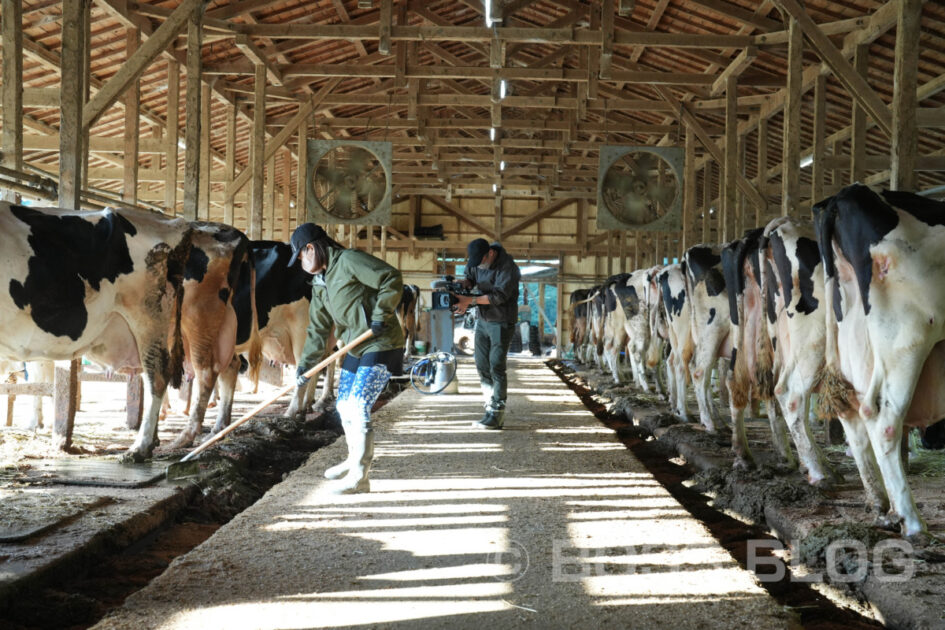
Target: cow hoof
{"points": [[924, 539], [132, 457], [888, 521]]}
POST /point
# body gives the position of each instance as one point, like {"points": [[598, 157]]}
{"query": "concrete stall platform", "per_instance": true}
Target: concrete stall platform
{"points": [[548, 523]]}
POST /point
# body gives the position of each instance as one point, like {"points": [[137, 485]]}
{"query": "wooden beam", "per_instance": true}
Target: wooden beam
{"points": [[172, 137], [301, 193], [12, 97], [734, 69], [689, 190], [192, 124], [384, 27], [607, 38], [305, 110], [857, 86], [257, 56], [730, 197], [745, 16], [858, 120], [820, 115], [203, 190], [691, 121], [538, 215], [258, 155], [142, 58], [463, 216], [269, 203], [71, 99], [132, 99], [904, 129], [230, 166], [791, 138], [235, 9], [761, 180]]}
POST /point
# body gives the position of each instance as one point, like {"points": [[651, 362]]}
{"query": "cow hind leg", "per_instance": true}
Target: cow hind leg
{"points": [[866, 465], [779, 434], [226, 386], [708, 415], [795, 406], [205, 379]]}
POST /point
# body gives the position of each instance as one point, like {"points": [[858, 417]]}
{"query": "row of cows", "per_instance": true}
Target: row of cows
{"points": [[141, 292], [850, 306]]}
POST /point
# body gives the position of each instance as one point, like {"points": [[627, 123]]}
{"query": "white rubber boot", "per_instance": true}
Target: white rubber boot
{"points": [[361, 449], [340, 470]]}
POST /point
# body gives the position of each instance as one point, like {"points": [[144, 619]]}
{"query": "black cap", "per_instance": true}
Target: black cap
{"points": [[475, 251], [302, 236]]}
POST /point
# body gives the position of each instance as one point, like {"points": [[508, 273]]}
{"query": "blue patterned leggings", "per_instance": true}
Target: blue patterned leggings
{"points": [[357, 393]]}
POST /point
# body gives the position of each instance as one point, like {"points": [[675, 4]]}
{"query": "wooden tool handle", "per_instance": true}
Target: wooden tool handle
{"points": [[367, 334]]}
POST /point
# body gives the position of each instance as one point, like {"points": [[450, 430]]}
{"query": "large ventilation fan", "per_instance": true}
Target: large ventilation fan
{"points": [[639, 188], [349, 182]]}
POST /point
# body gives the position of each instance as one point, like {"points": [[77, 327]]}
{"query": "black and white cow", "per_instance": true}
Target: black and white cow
{"points": [[793, 291], [108, 284], [676, 312], [884, 260], [281, 306], [705, 289]]}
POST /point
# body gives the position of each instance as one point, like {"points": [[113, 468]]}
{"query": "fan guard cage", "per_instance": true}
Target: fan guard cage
{"points": [[380, 214], [672, 219]]}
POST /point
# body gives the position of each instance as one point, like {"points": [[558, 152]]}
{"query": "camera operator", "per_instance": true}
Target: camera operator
{"points": [[493, 271]]}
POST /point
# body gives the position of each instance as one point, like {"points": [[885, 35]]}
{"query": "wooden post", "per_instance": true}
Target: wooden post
{"points": [[172, 138], [559, 315], [610, 253], [706, 200], [301, 194], [258, 154], [131, 100], [203, 190], [270, 200], [12, 97], [817, 166], [582, 225], [689, 189], [791, 142], [858, 123], [729, 197], [904, 138], [229, 167], [192, 124], [286, 192], [71, 102], [761, 181], [65, 385]]}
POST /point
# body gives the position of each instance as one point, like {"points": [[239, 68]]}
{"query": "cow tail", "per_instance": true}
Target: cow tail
{"points": [[764, 351], [836, 394], [255, 339], [176, 262]]}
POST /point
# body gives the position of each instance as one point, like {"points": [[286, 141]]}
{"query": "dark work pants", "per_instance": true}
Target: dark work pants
{"points": [[492, 349]]}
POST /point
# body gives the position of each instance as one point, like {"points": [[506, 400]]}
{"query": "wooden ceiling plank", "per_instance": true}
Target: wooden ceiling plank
{"points": [[736, 12]]}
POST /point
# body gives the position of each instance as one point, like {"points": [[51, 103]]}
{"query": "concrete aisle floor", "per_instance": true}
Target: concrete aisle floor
{"points": [[549, 523]]}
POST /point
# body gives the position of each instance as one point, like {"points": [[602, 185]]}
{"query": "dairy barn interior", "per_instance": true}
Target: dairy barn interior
{"points": [[724, 382]]}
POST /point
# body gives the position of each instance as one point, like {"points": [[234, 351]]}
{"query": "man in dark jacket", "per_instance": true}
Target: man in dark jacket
{"points": [[493, 271]]}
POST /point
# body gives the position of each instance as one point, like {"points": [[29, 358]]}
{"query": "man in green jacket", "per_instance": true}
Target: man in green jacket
{"points": [[493, 271], [351, 291]]}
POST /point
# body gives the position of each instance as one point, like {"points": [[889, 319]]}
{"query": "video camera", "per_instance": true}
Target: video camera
{"points": [[443, 290]]}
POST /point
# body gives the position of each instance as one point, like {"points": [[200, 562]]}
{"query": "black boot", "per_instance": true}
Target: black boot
{"points": [[492, 420]]}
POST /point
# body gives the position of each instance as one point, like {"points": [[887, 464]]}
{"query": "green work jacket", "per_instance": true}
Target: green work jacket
{"points": [[354, 289]]}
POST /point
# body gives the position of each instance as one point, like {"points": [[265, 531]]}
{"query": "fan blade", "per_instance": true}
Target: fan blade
{"points": [[662, 194], [645, 164], [342, 206]]}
